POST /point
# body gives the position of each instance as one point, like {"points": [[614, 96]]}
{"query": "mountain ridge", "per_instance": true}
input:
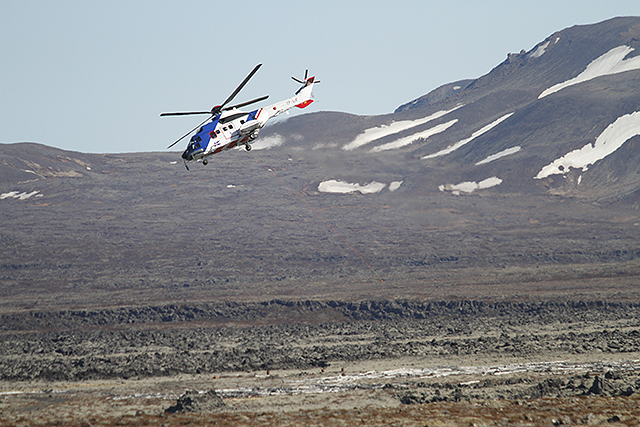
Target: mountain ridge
{"points": [[544, 127]]}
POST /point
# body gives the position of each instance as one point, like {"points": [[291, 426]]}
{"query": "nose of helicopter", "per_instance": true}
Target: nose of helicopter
{"points": [[187, 155]]}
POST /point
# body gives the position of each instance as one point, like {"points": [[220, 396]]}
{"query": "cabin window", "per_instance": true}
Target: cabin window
{"points": [[230, 126], [218, 131], [224, 128], [212, 134], [241, 122]]}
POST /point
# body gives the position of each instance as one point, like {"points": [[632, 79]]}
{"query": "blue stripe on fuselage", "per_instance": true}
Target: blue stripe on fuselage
{"points": [[204, 133]]}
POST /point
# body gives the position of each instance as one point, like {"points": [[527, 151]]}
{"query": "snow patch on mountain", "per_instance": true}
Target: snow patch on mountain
{"points": [[499, 155], [473, 136], [612, 62], [612, 138], [20, 196], [412, 138], [471, 186], [540, 50], [395, 185], [334, 186], [378, 132]]}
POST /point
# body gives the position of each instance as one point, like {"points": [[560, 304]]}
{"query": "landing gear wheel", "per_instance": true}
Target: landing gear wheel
{"points": [[205, 162], [247, 147]]}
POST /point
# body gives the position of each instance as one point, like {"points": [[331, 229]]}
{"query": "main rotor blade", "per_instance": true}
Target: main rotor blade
{"points": [[185, 113], [298, 80], [262, 98], [239, 88], [188, 133]]}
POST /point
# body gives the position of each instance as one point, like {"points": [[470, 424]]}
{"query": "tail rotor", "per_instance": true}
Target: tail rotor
{"points": [[307, 80]]}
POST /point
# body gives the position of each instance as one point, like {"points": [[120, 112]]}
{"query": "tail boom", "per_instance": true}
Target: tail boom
{"points": [[302, 99]]}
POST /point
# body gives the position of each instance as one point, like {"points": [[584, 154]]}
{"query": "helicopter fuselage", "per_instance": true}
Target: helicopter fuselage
{"points": [[227, 130], [234, 128]]}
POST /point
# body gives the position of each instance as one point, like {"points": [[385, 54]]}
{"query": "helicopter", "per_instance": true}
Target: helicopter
{"points": [[229, 127]]}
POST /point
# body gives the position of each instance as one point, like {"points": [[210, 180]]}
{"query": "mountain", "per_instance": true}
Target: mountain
{"points": [[559, 119], [520, 183]]}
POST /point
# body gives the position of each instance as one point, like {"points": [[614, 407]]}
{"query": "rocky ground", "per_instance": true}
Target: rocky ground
{"points": [[325, 363]]}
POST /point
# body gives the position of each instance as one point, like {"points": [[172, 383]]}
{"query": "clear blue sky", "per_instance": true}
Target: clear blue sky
{"points": [[93, 76]]}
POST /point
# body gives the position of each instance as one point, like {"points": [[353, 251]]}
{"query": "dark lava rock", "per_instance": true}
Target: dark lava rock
{"points": [[598, 386], [413, 398], [607, 387], [194, 401], [549, 387]]}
